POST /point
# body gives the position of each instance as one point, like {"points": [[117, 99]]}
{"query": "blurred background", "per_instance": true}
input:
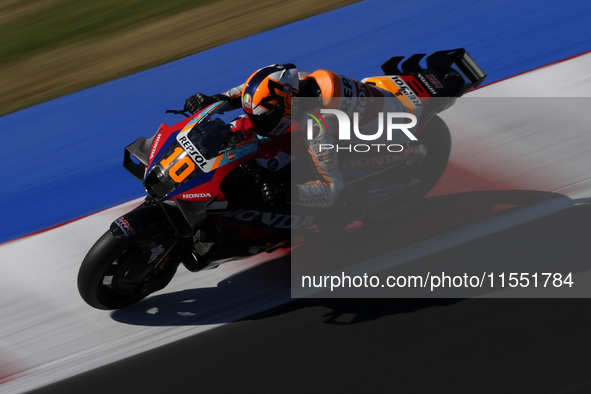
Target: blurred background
{"points": [[51, 48]]}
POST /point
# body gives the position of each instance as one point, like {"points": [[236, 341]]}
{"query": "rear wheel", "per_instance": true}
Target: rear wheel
{"points": [[421, 171], [118, 272]]}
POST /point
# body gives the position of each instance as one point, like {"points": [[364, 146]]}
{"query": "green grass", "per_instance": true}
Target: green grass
{"points": [[68, 21]]}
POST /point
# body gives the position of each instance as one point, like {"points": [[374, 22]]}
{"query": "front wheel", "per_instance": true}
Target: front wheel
{"points": [[118, 272]]}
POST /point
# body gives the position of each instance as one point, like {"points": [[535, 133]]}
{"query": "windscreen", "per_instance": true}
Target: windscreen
{"points": [[212, 136]]}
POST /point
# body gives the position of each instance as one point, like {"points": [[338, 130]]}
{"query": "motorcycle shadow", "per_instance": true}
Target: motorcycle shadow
{"points": [[259, 293], [264, 291], [232, 299]]}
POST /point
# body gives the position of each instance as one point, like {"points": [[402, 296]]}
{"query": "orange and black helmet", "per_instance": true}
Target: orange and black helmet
{"points": [[266, 98]]}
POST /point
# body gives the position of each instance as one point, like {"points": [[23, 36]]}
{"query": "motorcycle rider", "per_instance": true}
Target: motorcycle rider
{"points": [[266, 98]]}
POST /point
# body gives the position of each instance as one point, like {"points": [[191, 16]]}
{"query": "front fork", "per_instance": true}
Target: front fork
{"points": [[155, 220]]}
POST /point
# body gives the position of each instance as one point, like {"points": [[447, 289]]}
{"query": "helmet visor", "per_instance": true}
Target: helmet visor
{"points": [[266, 122]]}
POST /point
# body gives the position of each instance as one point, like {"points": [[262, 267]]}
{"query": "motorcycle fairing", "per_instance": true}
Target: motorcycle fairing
{"points": [[165, 133], [195, 156], [261, 222]]}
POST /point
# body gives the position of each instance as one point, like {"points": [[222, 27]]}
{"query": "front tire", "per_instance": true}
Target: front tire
{"points": [[117, 272]]}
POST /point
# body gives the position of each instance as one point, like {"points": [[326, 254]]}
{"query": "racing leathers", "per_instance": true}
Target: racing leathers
{"points": [[316, 181]]}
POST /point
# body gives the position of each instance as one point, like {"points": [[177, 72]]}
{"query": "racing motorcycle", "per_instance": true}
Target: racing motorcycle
{"points": [[204, 205]]}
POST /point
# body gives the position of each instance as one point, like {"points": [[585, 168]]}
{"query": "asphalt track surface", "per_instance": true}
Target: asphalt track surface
{"points": [[379, 345], [180, 340], [459, 346]]}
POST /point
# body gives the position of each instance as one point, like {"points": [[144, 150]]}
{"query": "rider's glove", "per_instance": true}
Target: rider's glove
{"points": [[199, 101]]}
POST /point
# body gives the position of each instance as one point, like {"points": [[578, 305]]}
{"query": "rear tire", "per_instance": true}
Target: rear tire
{"points": [[435, 140], [117, 272]]}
